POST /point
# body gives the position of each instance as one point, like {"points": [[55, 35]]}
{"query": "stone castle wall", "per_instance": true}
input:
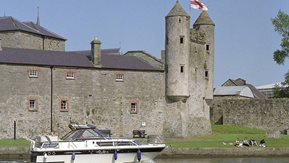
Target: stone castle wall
{"points": [[93, 96], [24, 40], [269, 114]]}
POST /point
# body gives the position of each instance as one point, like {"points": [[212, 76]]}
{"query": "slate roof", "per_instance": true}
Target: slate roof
{"points": [[8, 23], [43, 58], [204, 19], [72, 59], [177, 10], [112, 59]]}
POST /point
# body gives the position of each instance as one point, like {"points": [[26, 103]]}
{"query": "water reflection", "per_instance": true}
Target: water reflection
{"points": [[226, 160]]}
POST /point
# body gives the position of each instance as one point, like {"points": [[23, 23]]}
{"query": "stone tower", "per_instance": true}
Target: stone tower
{"points": [[177, 53], [205, 27], [189, 58]]}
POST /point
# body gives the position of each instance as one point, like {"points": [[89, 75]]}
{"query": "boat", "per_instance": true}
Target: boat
{"points": [[87, 144]]}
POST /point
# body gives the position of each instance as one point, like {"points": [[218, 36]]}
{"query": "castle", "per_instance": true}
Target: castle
{"points": [[44, 88]]}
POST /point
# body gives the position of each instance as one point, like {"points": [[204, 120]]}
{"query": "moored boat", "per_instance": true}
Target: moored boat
{"points": [[87, 144]]}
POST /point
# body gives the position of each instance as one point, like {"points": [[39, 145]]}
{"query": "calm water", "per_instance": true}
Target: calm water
{"points": [[209, 160]]}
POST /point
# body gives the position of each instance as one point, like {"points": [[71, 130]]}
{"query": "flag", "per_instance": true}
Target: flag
{"points": [[196, 4]]}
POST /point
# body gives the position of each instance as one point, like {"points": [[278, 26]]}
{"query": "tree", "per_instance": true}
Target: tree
{"points": [[281, 24]]}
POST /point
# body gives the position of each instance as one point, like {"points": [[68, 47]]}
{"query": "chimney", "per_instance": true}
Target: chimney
{"points": [[96, 52]]}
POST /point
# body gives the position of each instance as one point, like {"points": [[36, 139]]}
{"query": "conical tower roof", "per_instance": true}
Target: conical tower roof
{"points": [[177, 10], [204, 19]]}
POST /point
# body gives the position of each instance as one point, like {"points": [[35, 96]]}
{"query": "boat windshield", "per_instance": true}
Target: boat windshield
{"points": [[84, 133]]}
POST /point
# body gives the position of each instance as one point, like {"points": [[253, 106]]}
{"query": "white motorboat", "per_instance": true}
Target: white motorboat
{"points": [[87, 144]]}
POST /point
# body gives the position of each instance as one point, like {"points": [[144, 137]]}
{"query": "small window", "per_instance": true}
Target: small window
{"points": [[181, 39], [133, 108], [33, 74], [207, 74], [180, 20], [70, 75], [63, 105], [182, 69], [32, 105], [119, 77], [207, 47]]}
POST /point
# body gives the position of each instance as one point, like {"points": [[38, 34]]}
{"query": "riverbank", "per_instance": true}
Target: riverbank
{"points": [[20, 153], [9, 153], [224, 152]]}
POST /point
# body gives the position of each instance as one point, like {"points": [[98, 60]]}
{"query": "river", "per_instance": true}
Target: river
{"points": [[210, 160]]}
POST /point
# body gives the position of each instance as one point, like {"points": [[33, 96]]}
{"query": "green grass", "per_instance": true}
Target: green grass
{"points": [[225, 134], [14, 143]]}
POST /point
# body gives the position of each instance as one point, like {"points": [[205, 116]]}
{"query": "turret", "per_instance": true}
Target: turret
{"points": [[204, 24], [96, 52], [177, 53]]}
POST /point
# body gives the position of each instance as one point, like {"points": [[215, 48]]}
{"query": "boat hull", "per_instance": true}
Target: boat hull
{"points": [[108, 156]]}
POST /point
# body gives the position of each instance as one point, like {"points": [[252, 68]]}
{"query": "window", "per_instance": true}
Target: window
{"points": [[63, 105], [182, 39], [33, 74], [207, 47], [70, 75], [32, 105], [207, 74], [133, 108], [182, 69], [180, 20], [119, 77]]}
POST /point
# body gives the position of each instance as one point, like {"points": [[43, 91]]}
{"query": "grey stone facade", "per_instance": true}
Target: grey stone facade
{"points": [[23, 40], [162, 100]]}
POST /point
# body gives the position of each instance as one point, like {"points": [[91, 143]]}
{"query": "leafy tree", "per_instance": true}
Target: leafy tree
{"points": [[281, 24], [281, 91]]}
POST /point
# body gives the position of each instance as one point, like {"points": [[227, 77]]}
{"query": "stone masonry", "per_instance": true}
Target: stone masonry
{"points": [[171, 100], [268, 114]]}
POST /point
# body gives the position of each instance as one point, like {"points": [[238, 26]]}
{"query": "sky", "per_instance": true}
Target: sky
{"points": [[244, 35]]}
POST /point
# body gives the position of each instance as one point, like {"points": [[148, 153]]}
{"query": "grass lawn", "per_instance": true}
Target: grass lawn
{"points": [[14, 143], [227, 134]]}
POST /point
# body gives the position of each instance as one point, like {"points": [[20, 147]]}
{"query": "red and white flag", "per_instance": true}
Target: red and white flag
{"points": [[196, 4]]}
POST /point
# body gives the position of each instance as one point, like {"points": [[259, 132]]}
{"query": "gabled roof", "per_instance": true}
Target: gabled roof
{"points": [[177, 10], [8, 23], [72, 59]]}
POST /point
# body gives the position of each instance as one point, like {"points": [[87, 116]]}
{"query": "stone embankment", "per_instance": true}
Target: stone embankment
{"points": [[224, 152], [7, 153], [12, 153]]}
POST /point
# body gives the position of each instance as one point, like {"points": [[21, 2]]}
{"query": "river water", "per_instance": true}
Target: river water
{"points": [[210, 160]]}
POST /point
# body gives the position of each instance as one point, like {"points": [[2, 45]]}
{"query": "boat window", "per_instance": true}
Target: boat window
{"points": [[125, 143], [84, 132], [104, 143], [52, 145]]}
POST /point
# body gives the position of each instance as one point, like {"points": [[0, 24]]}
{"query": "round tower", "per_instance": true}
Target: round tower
{"points": [[204, 24], [177, 53]]}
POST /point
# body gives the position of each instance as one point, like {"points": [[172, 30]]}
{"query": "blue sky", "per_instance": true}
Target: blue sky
{"points": [[245, 38]]}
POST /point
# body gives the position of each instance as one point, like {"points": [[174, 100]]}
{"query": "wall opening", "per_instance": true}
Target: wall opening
{"points": [[182, 69], [207, 47], [207, 74], [182, 39]]}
